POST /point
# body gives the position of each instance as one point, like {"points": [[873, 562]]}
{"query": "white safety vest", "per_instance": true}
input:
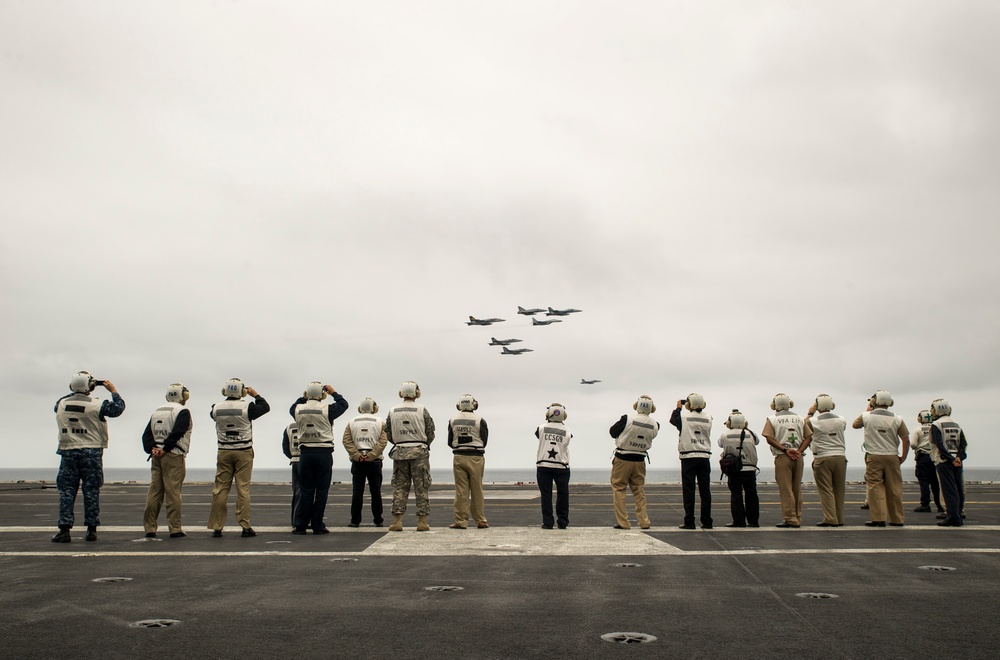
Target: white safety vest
{"points": [[80, 425], [951, 437], [788, 430], [292, 431], [365, 431], [920, 439], [730, 443], [161, 423], [637, 436], [313, 421], [553, 445], [695, 439], [232, 424], [881, 437], [465, 431], [828, 435], [408, 427]]}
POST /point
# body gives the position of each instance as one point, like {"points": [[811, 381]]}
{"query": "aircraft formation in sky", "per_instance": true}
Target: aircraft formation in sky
{"points": [[505, 343]]}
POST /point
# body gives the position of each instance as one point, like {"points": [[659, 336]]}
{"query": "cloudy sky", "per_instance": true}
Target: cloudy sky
{"points": [[743, 197]]}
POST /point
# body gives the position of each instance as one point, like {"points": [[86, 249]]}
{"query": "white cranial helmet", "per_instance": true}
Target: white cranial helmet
{"points": [[467, 403], [409, 390], [315, 391], [736, 420], [824, 403], [367, 406], [556, 413], [177, 393], [881, 398], [940, 408], [781, 401], [644, 405], [924, 417], [234, 389], [694, 401], [82, 382]]}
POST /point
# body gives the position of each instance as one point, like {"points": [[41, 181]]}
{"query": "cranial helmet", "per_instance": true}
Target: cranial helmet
{"points": [[177, 393], [409, 390], [924, 417], [315, 391], [824, 403], [467, 403], [367, 406], [736, 420], [695, 401], [556, 413], [881, 398], [644, 405], [82, 382], [940, 408], [782, 401], [234, 389]]}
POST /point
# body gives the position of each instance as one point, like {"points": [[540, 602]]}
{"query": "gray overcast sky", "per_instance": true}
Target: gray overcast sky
{"points": [[743, 197]]}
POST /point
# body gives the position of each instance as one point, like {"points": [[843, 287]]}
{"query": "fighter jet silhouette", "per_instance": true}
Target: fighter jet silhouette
{"points": [[529, 312], [584, 381], [515, 351], [502, 342], [562, 312], [535, 321], [474, 321]]}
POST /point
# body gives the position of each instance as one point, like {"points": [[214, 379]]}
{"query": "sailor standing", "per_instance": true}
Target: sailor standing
{"points": [[744, 504], [365, 441], [314, 421], [166, 439], [788, 436], [83, 436], [410, 429], [552, 465], [829, 458], [884, 431], [924, 469], [467, 437], [290, 448], [948, 446], [694, 444], [234, 462], [633, 434]]}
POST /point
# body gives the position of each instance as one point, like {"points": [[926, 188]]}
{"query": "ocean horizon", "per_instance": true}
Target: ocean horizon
{"points": [[445, 476]]}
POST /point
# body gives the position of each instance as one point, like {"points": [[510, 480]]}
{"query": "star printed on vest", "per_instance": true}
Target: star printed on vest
{"points": [[553, 453]]}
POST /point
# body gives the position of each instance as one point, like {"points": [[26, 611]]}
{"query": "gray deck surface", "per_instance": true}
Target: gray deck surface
{"points": [[526, 592]]}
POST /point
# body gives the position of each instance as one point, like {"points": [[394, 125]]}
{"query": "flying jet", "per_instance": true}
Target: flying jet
{"points": [[561, 312], [515, 351], [584, 381], [474, 321], [529, 312], [502, 342], [537, 322]]}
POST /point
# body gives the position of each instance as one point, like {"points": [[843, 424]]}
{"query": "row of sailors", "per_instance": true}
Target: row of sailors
{"points": [[309, 443]]}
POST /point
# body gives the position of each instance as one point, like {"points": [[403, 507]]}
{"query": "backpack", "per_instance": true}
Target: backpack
{"points": [[732, 464]]}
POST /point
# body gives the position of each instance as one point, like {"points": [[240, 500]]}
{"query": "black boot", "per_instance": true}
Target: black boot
{"points": [[62, 536], [91, 532]]}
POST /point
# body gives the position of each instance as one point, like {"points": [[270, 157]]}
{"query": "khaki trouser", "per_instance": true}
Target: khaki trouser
{"points": [[830, 473], [165, 480], [631, 474], [231, 464], [885, 487], [469, 482], [788, 475]]}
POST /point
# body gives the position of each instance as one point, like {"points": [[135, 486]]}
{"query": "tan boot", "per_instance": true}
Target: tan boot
{"points": [[397, 524], [422, 525]]}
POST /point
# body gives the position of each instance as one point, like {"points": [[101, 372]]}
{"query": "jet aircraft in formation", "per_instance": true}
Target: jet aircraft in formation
{"points": [[502, 342], [474, 321], [529, 312], [515, 351], [584, 381], [546, 322], [562, 312]]}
